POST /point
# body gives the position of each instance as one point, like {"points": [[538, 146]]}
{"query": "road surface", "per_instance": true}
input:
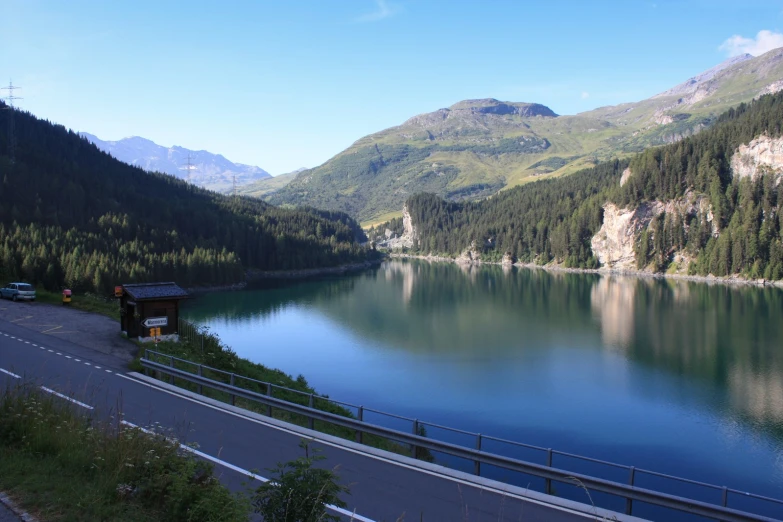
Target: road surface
{"points": [[383, 487]]}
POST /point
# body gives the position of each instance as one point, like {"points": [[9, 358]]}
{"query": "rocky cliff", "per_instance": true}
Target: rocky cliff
{"points": [[406, 240], [615, 243], [764, 154]]}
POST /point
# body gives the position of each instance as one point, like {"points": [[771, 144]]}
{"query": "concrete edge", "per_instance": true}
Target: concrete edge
{"points": [[499, 487], [23, 515]]}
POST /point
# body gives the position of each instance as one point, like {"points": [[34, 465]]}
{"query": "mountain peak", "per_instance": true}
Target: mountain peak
{"points": [[493, 106]]}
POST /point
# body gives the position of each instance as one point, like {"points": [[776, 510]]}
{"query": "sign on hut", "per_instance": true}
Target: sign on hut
{"points": [[150, 311]]}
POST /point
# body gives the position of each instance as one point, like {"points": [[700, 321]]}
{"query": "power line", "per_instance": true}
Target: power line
{"points": [[9, 100]]}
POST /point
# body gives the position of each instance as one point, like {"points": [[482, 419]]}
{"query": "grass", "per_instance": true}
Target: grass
{"points": [[61, 465], [88, 302], [216, 355]]}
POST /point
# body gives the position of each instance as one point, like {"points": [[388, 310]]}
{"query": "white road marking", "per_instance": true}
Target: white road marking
{"points": [[88, 364], [50, 351], [107, 371], [476, 485], [60, 395], [35, 345], [10, 373], [27, 342], [58, 353], [245, 472], [77, 360], [68, 357], [97, 367]]}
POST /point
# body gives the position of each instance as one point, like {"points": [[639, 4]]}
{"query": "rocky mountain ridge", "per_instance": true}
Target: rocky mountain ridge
{"points": [[207, 170]]}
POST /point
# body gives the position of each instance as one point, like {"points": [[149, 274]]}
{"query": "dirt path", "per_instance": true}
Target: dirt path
{"points": [[86, 329]]}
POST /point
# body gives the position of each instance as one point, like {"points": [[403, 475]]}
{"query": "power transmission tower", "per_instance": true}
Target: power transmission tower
{"points": [[9, 100], [189, 166]]}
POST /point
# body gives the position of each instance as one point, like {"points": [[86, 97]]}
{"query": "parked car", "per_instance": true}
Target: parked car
{"points": [[18, 292]]}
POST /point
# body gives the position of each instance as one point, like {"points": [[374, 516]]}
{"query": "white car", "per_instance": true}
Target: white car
{"points": [[18, 292]]}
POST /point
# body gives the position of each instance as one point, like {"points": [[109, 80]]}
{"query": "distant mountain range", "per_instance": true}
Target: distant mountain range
{"points": [[475, 148], [208, 170]]}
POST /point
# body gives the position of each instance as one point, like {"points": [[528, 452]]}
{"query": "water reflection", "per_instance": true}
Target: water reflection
{"points": [[612, 301], [605, 365]]}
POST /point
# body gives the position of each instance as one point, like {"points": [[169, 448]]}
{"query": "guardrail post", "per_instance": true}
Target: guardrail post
{"points": [[312, 421], [725, 496], [200, 374], [269, 392], [360, 416], [232, 396], [549, 464], [477, 463], [171, 365], [629, 501], [415, 432]]}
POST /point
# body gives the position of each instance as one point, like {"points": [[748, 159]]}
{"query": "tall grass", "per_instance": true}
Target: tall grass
{"points": [[63, 465]]}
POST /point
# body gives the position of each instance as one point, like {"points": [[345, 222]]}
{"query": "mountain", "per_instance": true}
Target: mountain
{"points": [[477, 147], [266, 187], [708, 204], [210, 171], [71, 214]]}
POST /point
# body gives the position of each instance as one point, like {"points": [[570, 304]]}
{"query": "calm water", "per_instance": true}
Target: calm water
{"points": [[676, 377]]}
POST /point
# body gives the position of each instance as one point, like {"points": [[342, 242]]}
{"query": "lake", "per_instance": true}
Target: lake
{"points": [[676, 377]]}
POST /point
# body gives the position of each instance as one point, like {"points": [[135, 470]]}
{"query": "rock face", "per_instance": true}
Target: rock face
{"points": [[469, 257], [626, 174], [764, 154], [409, 234], [614, 244], [772, 88]]}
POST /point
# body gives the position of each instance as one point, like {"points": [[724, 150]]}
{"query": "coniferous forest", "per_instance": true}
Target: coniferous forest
{"points": [[554, 220], [71, 215]]}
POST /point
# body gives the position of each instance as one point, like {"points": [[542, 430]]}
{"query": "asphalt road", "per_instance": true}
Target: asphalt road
{"points": [[381, 489]]}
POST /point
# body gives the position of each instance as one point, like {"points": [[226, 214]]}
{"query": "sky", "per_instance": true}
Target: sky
{"points": [[289, 84]]}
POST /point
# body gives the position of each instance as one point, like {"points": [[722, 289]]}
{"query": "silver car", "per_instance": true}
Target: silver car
{"points": [[18, 292]]}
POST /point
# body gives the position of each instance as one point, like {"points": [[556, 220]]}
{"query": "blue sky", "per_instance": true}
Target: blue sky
{"points": [[285, 84]]}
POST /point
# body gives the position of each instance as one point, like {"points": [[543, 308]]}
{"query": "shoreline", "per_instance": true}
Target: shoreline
{"points": [[709, 279], [252, 276]]}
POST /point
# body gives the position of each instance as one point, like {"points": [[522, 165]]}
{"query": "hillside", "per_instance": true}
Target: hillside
{"points": [[73, 215], [477, 147], [709, 204], [207, 170], [266, 187]]}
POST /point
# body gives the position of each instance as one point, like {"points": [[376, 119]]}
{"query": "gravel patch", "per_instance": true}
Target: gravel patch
{"points": [[90, 330]]}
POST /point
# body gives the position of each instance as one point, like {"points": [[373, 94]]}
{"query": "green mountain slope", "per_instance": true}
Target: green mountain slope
{"points": [[710, 202], [73, 215], [477, 147], [267, 186]]}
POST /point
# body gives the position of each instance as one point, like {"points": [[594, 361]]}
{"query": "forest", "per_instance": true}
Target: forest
{"points": [[72, 215], [555, 219]]}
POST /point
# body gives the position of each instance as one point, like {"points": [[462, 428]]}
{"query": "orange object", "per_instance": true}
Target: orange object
{"points": [[117, 291], [66, 296]]}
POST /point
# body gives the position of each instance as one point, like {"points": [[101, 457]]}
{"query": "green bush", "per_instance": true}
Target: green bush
{"points": [[299, 492]]}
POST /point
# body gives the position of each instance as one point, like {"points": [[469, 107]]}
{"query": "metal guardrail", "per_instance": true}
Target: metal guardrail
{"points": [[415, 440]]}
